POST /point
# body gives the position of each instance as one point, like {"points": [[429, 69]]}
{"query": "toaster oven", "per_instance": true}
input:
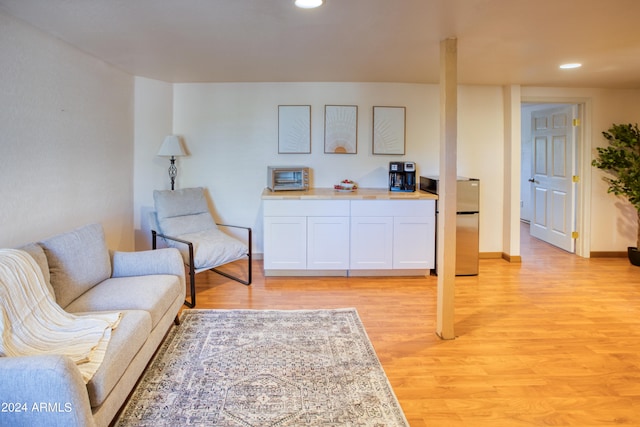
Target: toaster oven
{"points": [[280, 178]]}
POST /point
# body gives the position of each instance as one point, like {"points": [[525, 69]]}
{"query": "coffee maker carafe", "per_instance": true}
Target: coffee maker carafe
{"points": [[402, 176]]}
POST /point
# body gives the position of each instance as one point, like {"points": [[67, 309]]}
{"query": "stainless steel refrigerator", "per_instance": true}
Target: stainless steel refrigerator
{"points": [[467, 221]]}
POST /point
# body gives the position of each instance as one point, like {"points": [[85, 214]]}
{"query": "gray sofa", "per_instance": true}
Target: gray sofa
{"points": [[148, 287]]}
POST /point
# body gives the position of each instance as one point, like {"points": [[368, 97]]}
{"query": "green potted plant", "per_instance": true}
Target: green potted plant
{"points": [[621, 159]]}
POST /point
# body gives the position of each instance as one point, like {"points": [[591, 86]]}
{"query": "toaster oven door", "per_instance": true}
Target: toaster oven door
{"points": [[288, 179]]}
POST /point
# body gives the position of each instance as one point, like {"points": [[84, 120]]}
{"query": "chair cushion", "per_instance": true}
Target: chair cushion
{"points": [[154, 294], [182, 211], [77, 261], [211, 248]]}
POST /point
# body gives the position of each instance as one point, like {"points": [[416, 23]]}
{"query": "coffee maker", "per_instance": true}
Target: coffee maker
{"points": [[402, 176]]}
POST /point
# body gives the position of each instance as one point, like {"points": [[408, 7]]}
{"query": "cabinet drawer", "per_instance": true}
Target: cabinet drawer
{"points": [[306, 207], [394, 208]]}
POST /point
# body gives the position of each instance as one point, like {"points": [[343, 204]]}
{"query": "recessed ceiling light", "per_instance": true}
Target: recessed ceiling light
{"points": [[569, 66], [308, 4]]}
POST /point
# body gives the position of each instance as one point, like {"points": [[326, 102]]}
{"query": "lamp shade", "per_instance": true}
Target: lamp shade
{"points": [[172, 147]]}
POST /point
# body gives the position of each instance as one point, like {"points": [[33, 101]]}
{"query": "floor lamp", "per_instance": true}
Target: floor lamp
{"points": [[172, 147]]}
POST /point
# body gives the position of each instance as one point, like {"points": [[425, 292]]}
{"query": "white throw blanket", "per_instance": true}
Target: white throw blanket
{"points": [[34, 324]]}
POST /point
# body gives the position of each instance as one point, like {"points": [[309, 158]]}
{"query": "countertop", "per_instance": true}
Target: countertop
{"points": [[358, 194]]}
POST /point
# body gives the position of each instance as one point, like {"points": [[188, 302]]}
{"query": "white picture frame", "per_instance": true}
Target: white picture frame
{"points": [[341, 129], [389, 130], [294, 129]]}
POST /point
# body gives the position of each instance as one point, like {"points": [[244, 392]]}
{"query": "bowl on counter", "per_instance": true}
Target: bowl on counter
{"points": [[345, 185]]}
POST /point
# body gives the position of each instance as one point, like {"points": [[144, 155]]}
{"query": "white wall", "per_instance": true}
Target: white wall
{"points": [[481, 154], [67, 140], [231, 132], [153, 121]]}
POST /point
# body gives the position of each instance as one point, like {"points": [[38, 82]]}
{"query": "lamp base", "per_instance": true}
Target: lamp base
{"points": [[173, 171]]}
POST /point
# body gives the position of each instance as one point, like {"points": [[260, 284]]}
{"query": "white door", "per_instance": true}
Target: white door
{"points": [[553, 192], [285, 243], [371, 243], [413, 246], [328, 242]]}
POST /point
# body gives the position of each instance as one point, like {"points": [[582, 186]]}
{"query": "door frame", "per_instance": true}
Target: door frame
{"points": [[583, 166]]}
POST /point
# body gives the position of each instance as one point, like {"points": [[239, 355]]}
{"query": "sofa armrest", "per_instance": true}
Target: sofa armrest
{"points": [[145, 263], [43, 390]]}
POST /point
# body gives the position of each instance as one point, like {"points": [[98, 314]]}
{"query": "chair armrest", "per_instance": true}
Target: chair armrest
{"points": [[155, 235], [145, 263], [235, 226], [43, 390]]}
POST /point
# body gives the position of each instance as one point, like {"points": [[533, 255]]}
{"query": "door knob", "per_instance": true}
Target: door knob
{"points": [[532, 180]]}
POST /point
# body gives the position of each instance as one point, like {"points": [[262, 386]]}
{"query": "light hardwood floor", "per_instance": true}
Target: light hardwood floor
{"points": [[553, 341]]}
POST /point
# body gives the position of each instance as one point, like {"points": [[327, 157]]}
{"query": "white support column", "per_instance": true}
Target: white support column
{"points": [[447, 193], [512, 160]]}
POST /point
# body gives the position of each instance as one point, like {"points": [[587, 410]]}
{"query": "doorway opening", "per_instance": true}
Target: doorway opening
{"points": [[551, 169]]}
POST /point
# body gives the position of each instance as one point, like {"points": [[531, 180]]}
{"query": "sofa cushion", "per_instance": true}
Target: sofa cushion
{"points": [[126, 340], [182, 211], [77, 261], [153, 294], [37, 253]]}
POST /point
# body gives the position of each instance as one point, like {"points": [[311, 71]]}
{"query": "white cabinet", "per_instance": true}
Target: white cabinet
{"points": [[414, 242], [285, 242], [306, 234], [392, 234], [371, 243], [361, 236], [328, 243]]}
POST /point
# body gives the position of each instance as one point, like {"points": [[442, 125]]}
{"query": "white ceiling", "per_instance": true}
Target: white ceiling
{"points": [[499, 41]]}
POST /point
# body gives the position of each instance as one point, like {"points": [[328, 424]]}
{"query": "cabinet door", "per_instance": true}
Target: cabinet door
{"points": [[371, 243], [285, 243], [328, 243], [413, 242]]}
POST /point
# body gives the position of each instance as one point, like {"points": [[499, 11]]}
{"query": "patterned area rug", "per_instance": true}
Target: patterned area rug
{"points": [[253, 368]]}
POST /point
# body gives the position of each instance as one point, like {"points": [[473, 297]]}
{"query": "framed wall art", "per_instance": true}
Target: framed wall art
{"points": [[294, 129], [341, 129], [389, 129]]}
